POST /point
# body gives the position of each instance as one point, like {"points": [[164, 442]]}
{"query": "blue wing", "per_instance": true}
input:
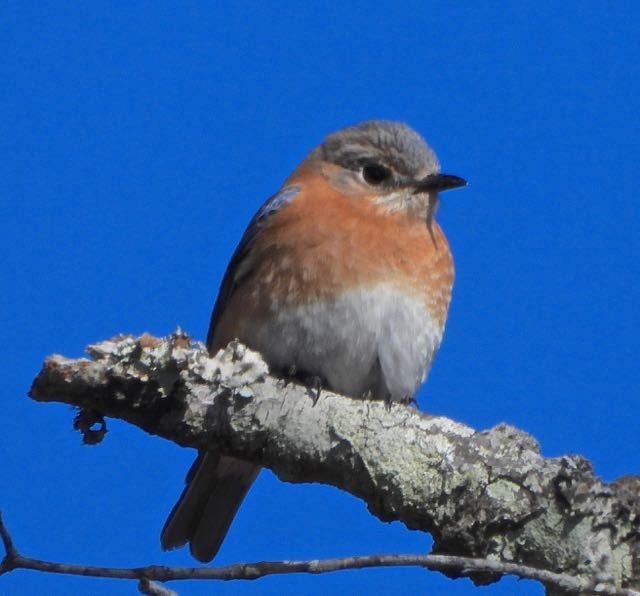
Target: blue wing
{"points": [[239, 266]]}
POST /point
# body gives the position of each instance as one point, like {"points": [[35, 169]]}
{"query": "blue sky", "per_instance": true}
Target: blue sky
{"points": [[137, 142]]}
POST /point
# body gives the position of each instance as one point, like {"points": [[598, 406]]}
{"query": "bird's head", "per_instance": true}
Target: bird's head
{"points": [[385, 162]]}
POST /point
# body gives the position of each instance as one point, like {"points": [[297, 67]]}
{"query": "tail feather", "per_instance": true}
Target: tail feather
{"points": [[216, 486]]}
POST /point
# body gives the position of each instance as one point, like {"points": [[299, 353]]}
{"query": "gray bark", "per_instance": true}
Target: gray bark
{"points": [[487, 494]]}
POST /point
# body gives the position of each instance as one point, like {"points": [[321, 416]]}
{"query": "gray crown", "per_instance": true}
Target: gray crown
{"points": [[392, 144]]}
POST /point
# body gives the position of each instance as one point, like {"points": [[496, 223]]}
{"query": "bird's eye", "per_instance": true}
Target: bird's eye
{"points": [[375, 174]]}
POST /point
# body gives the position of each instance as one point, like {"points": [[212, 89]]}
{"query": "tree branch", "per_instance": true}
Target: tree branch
{"points": [[148, 576], [482, 495]]}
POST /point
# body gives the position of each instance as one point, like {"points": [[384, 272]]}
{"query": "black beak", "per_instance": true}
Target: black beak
{"points": [[438, 183]]}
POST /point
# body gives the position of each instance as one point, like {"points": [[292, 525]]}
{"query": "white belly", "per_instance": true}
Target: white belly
{"points": [[371, 340]]}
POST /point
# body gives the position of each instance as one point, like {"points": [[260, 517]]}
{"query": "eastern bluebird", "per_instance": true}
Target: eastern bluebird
{"points": [[342, 276]]}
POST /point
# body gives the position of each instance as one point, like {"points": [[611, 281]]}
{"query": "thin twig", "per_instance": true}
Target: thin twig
{"points": [[249, 571], [7, 542]]}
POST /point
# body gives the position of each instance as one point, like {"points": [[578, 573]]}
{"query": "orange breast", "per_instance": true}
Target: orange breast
{"points": [[323, 243]]}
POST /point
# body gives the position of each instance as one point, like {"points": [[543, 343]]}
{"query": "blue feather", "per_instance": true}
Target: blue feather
{"points": [[235, 271]]}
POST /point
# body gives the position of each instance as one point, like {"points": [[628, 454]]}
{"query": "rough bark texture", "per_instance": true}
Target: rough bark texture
{"points": [[486, 494]]}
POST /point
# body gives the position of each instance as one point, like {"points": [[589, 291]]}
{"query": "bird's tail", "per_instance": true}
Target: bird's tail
{"points": [[215, 487]]}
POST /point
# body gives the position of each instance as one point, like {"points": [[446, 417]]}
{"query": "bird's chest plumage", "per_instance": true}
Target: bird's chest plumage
{"points": [[354, 296], [372, 339]]}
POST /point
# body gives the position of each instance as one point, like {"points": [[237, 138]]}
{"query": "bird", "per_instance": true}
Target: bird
{"points": [[344, 277]]}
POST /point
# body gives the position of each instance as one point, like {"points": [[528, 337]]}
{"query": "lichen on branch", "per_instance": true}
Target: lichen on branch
{"points": [[488, 494]]}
